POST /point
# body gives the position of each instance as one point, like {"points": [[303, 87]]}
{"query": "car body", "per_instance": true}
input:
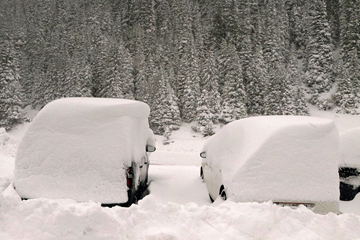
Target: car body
{"points": [[86, 149], [290, 160], [349, 164]]}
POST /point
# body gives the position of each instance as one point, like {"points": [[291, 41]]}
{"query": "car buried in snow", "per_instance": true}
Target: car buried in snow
{"points": [[349, 164], [86, 149], [289, 160]]}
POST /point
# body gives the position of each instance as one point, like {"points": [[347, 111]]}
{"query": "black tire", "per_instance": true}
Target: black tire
{"points": [[147, 174], [347, 192], [222, 193]]}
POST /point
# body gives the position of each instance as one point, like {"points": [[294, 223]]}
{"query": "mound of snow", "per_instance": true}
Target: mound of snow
{"points": [[79, 148], [54, 219], [277, 158], [3, 136]]}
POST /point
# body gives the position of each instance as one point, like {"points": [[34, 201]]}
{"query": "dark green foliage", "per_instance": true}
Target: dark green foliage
{"points": [[347, 95], [276, 35], [209, 82], [188, 77], [294, 81], [116, 79], [350, 28], [333, 14], [319, 59], [205, 61], [10, 89], [165, 115], [234, 95], [255, 86], [279, 99]]}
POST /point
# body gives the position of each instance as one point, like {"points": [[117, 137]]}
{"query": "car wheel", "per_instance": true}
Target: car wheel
{"points": [[347, 192], [222, 193], [147, 174], [201, 173]]}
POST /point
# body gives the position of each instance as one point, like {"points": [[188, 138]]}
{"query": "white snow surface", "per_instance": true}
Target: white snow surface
{"points": [[178, 206], [350, 148], [282, 158], [79, 148]]}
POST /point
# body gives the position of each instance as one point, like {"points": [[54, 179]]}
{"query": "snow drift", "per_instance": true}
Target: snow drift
{"points": [[79, 148], [149, 220]]}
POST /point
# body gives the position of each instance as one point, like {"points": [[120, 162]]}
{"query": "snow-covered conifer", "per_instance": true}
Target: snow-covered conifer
{"points": [[10, 89], [319, 58]]}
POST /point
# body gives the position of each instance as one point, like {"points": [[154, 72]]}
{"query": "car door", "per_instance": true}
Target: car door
{"points": [[211, 177]]}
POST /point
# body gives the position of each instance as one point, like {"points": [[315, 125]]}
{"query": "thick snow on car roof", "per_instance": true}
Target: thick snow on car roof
{"points": [[349, 148], [78, 148], [290, 157], [96, 107]]}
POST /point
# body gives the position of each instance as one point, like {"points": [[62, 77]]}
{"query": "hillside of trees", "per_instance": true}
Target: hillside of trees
{"points": [[209, 62]]}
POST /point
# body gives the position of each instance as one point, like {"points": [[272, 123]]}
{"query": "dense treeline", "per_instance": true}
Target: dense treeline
{"points": [[203, 61]]}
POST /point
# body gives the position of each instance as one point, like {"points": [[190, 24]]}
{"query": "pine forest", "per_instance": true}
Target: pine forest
{"points": [[204, 62]]}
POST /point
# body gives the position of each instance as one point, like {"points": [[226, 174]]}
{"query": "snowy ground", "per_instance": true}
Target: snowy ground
{"points": [[178, 206]]}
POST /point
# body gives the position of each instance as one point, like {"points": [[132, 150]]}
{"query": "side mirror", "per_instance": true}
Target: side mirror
{"points": [[150, 148], [203, 154]]}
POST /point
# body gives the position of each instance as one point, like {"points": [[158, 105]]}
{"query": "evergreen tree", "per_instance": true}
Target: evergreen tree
{"points": [[234, 95], [350, 28], [80, 79], [294, 79], [204, 117], [226, 22], [10, 89], [188, 77], [276, 35], [347, 96], [143, 13], [298, 15], [141, 81], [117, 69], [333, 14], [279, 99], [319, 67], [301, 107], [251, 55], [203, 113], [255, 86], [349, 76], [209, 80], [164, 116]]}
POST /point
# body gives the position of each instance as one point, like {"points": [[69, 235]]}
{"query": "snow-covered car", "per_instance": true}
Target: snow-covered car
{"points": [[86, 149], [349, 164], [289, 160]]}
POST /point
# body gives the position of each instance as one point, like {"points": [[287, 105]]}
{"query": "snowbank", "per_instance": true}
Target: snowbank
{"points": [[79, 148], [54, 219], [3, 136], [277, 158]]}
